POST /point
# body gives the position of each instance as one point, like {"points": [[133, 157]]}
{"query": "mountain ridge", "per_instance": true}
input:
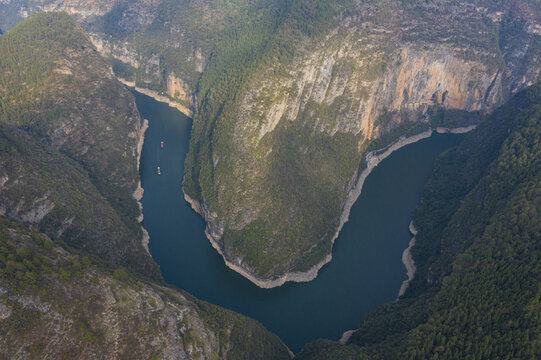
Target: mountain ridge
{"points": [[288, 96], [478, 214], [75, 280]]}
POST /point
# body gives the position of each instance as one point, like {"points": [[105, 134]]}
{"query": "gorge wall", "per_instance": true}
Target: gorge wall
{"points": [[75, 281], [276, 174], [288, 96]]}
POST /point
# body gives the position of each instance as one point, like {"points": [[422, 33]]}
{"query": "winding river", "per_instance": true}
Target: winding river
{"points": [[366, 269]]}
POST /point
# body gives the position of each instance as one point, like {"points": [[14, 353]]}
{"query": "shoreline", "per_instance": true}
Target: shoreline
{"points": [[153, 94], [346, 336], [408, 262], [353, 193], [214, 238], [139, 191]]}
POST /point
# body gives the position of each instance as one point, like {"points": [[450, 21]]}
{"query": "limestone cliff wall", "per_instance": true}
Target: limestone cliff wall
{"points": [[345, 91], [296, 136], [341, 80], [363, 80]]}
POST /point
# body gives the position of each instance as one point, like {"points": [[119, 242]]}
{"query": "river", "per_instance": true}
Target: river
{"points": [[366, 269]]}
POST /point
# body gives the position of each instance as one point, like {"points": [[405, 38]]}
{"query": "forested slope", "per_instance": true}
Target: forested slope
{"points": [[289, 95], [70, 134], [75, 281], [58, 303], [477, 288]]}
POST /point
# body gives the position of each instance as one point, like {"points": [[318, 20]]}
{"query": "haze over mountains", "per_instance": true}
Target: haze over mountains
{"points": [[288, 98]]}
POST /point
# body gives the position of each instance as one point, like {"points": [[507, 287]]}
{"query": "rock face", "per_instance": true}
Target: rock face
{"points": [[275, 180], [281, 126], [175, 88], [417, 80], [70, 142], [75, 281], [83, 311]]}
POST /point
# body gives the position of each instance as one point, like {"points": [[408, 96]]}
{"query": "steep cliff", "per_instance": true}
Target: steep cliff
{"points": [[75, 281], [275, 176], [70, 135], [477, 284], [289, 95]]}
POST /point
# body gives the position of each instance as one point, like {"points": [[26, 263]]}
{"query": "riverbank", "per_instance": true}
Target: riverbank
{"points": [[214, 236], [214, 232], [345, 336], [153, 94], [408, 262], [139, 191]]}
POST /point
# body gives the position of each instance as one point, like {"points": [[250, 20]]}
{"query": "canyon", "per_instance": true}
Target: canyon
{"points": [[273, 157]]}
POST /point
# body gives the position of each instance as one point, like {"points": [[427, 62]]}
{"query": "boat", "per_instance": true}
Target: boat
{"points": [[159, 171], [161, 144]]}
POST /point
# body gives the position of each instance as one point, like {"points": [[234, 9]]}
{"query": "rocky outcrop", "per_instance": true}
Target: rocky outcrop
{"points": [[123, 52], [138, 193], [75, 175], [176, 87], [348, 84], [372, 76], [153, 94], [408, 261], [87, 312]]}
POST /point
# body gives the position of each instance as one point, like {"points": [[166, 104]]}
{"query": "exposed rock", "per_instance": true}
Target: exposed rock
{"points": [[37, 213], [91, 314], [175, 88], [349, 83], [378, 72]]}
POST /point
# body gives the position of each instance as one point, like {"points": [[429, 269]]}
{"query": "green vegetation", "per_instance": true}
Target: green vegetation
{"points": [[304, 198], [295, 181], [68, 140], [75, 281], [332, 65], [58, 303], [477, 287], [252, 47]]}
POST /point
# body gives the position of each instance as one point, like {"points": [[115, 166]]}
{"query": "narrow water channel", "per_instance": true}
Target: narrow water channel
{"points": [[366, 269]]}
